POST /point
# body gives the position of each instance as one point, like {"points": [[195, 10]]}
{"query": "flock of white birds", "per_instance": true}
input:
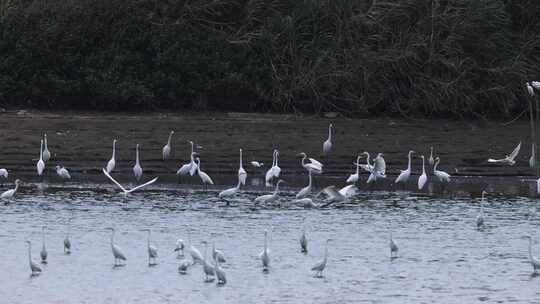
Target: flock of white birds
{"points": [[376, 169]]}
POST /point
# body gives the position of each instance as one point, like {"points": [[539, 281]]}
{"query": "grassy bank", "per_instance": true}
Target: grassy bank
{"points": [[409, 57]]}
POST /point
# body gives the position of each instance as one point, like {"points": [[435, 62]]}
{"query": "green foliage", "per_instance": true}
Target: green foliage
{"points": [[457, 58]]}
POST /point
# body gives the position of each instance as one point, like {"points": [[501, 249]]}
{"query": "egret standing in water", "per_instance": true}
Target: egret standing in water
{"points": [[268, 198], [220, 273], [480, 216], [43, 252], [242, 174], [46, 152], [152, 250], [217, 254], [353, 178], [36, 270], [227, 193], [116, 250], [320, 266], [405, 174], [205, 178], [393, 248], [191, 167], [112, 162], [264, 255], [423, 178], [137, 169], [327, 145], [274, 171], [208, 269], [313, 166], [179, 249], [167, 147], [535, 262], [63, 172], [379, 168], [124, 191], [40, 166], [532, 158], [11, 192], [306, 190], [441, 175]]}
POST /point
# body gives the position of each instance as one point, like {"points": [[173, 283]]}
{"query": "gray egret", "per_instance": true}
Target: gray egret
{"points": [[67, 242], [405, 174], [264, 255], [535, 262], [205, 178], [137, 169], [327, 145], [63, 172], [268, 198], [379, 169], [11, 192], [116, 250], [112, 162], [36, 270], [43, 252], [314, 166], [509, 159], [46, 152], [393, 248], [441, 175], [217, 254], [220, 273], [306, 190], [431, 160], [208, 269], [152, 250], [183, 266], [191, 167], [40, 166], [353, 178], [321, 265], [179, 249], [167, 148], [480, 216], [242, 174], [423, 178], [124, 191]]}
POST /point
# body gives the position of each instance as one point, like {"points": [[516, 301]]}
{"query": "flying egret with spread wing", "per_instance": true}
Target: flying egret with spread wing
{"points": [[509, 159]]}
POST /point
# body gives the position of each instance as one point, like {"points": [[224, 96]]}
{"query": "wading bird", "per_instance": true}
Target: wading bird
{"points": [[480, 216], [405, 174], [152, 250], [353, 178], [220, 273], [11, 192], [124, 191], [256, 164], [268, 198], [314, 166], [4, 173], [303, 240], [217, 254], [423, 178], [441, 175], [320, 266], [167, 147], [535, 262], [336, 196], [230, 192], [205, 178], [431, 160], [208, 269], [242, 174], [264, 255], [191, 167], [67, 242], [274, 171], [379, 169], [530, 89], [196, 255], [393, 248], [116, 250], [179, 249], [327, 145], [46, 152], [137, 169], [532, 159], [43, 252], [63, 172], [306, 190], [112, 162], [40, 166], [509, 159], [183, 266], [36, 270], [366, 167]]}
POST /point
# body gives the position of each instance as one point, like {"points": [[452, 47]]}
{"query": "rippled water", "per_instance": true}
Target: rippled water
{"points": [[442, 257]]}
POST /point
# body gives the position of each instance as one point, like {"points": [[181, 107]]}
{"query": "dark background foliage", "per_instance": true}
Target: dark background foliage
{"points": [[412, 58]]}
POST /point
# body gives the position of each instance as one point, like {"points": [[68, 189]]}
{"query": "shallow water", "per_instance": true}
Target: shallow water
{"points": [[443, 258]]}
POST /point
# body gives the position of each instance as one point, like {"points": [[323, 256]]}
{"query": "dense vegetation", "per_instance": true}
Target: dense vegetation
{"points": [[360, 57]]}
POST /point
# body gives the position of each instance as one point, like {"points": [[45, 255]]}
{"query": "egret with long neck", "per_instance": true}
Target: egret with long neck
{"points": [[137, 169], [112, 162]]}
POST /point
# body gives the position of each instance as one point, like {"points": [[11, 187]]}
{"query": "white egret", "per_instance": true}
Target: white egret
{"points": [[67, 242], [36, 270], [63, 172], [393, 248], [46, 152], [530, 89], [124, 191], [405, 174], [152, 250], [208, 269], [11, 192], [441, 175], [268, 198], [264, 255], [320, 266], [480, 216], [431, 160], [4, 173], [40, 166], [43, 252], [368, 167], [112, 162], [194, 252], [191, 167], [538, 186], [274, 171], [306, 202], [532, 159], [313, 166], [167, 147], [183, 266], [217, 254], [306, 190], [205, 178], [327, 145], [303, 240], [353, 178], [230, 192], [423, 178], [242, 174], [179, 249], [256, 164], [137, 169], [509, 159], [220, 273], [116, 250], [336, 196], [535, 262], [379, 169]]}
